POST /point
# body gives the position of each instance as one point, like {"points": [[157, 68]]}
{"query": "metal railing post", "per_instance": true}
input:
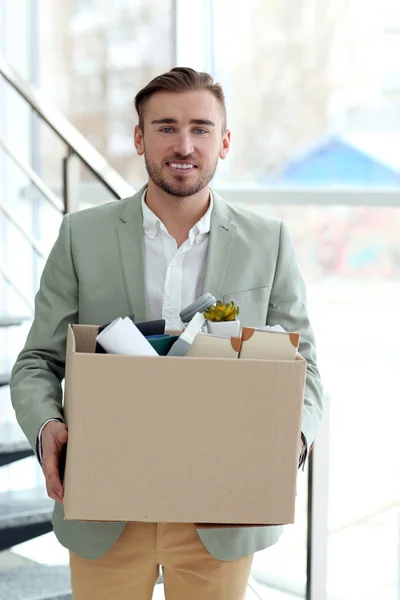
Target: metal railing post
{"points": [[317, 513], [94, 161], [71, 179]]}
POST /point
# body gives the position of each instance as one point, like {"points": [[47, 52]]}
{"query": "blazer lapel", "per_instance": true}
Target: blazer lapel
{"points": [[222, 235], [131, 247]]}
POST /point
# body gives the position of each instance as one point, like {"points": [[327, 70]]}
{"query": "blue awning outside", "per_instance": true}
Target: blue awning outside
{"points": [[337, 163]]}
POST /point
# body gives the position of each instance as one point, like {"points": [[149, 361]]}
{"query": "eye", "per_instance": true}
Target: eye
{"points": [[200, 130], [167, 129]]}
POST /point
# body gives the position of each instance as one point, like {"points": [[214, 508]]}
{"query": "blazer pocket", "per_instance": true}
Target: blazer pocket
{"points": [[252, 296], [253, 305]]}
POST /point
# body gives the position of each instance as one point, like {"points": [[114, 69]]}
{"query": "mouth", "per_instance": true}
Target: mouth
{"points": [[181, 167]]}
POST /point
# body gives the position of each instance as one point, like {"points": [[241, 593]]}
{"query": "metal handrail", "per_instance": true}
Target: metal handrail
{"points": [[9, 279], [29, 238], [75, 141], [76, 146], [52, 198], [254, 586]]}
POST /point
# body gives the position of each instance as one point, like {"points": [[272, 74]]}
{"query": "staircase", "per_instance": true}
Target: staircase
{"points": [[13, 443], [35, 583], [25, 515]]}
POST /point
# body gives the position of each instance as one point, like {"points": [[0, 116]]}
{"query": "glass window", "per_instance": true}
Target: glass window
{"points": [[313, 98], [87, 94], [89, 53], [351, 262], [120, 92], [108, 52], [120, 139], [309, 87]]}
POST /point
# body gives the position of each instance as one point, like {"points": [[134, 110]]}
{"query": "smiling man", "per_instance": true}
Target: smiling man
{"points": [[181, 134], [152, 255]]}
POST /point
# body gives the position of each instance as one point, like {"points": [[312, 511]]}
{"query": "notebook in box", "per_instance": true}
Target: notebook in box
{"points": [[212, 346], [269, 345]]}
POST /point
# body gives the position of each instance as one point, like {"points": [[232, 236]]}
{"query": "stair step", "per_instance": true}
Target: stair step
{"points": [[13, 443], [24, 515], [4, 378], [5, 371], [22, 507], [12, 321], [36, 582]]}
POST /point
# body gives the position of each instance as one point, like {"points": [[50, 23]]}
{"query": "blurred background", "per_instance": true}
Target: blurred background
{"points": [[313, 99]]}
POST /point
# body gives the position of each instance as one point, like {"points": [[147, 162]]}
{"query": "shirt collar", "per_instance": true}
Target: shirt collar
{"points": [[152, 224]]}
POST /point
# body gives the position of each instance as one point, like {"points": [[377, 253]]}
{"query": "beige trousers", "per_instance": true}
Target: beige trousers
{"points": [[129, 571]]}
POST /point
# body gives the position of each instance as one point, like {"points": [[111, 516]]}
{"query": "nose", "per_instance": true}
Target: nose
{"points": [[183, 145]]}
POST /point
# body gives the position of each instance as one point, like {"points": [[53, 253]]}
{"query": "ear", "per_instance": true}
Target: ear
{"points": [[139, 141], [225, 144]]}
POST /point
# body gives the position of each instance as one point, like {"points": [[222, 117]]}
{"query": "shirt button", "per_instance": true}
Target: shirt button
{"points": [[173, 264], [171, 311]]}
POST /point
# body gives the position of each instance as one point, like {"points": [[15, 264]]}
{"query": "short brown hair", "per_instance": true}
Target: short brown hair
{"points": [[179, 79]]}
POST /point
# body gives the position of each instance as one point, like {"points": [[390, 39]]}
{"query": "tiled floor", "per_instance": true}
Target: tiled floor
{"points": [[263, 594], [11, 559], [8, 560], [372, 576], [44, 549], [51, 552]]}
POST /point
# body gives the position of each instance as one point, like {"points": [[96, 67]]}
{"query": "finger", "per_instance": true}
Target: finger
{"points": [[62, 436], [54, 488], [53, 446], [50, 469], [52, 493]]}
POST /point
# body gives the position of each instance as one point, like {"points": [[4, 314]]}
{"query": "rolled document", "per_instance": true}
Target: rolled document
{"points": [[123, 337]]}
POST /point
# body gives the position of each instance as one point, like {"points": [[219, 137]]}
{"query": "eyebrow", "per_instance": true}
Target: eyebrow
{"points": [[169, 121]]}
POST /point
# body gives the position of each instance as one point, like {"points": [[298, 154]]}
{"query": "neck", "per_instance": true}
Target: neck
{"points": [[179, 215]]}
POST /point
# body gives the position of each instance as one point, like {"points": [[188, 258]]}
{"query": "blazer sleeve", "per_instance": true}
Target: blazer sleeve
{"points": [[288, 308], [36, 378]]}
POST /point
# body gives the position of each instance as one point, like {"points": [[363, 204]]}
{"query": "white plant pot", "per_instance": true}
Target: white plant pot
{"points": [[224, 328]]}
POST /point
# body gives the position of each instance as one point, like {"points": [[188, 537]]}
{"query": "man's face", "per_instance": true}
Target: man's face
{"points": [[182, 140]]}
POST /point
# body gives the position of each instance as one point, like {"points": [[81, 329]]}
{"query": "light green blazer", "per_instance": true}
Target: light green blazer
{"points": [[95, 273]]}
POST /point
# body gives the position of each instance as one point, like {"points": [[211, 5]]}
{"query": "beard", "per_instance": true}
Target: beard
{"points": [[178, 186]]}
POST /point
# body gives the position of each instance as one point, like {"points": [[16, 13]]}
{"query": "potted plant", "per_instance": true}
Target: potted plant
{"points": [[222, 319]]}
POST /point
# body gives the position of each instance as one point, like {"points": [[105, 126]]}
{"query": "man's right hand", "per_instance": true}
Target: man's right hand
{"points": [[54, 438]]}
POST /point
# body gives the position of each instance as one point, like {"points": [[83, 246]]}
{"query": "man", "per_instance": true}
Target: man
{"points": [[151, 255]]}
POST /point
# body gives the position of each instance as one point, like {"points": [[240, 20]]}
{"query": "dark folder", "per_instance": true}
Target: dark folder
{"points": [[162, 344]]}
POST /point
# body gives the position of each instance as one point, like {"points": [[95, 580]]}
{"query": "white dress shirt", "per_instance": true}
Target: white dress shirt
{"points": [[173, 276]]}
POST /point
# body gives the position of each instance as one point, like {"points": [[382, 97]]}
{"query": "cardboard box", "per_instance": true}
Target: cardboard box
{"points": [[180, 439]]}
